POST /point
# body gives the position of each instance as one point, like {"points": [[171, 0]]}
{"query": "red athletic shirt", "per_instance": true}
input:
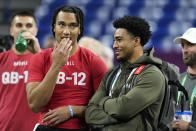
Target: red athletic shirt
{"points": [[76, 82], [15, 115]]}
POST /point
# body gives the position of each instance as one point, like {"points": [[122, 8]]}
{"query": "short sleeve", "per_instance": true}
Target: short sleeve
{"points": [[35, 69]]}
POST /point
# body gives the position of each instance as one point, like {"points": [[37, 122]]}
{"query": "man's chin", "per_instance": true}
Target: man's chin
{"points": [[188, 62], [121, 60]]}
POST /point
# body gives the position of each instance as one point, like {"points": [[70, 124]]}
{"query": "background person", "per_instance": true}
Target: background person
{"points": [[63, 79], [6, 43], [188, 78], [14, 111], [103, 51], [49, 43]]}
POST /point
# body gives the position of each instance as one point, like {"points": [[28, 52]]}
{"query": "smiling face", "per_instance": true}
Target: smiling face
{"points": [[123, 44], [66, 26], [20, 23], [188, 52]]}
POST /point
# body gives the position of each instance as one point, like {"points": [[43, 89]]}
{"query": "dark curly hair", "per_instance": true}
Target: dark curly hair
{"points": [[136, 26], [71, 9]]}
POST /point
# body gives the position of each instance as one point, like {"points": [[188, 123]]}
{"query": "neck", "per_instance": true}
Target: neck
{"points": [[192, 69]]}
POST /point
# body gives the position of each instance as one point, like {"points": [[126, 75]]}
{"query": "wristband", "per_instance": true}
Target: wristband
{"points": [[71, 111]]}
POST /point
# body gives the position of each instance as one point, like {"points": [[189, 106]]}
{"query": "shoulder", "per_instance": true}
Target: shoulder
{"points": [[44, 53], [153, 68], [4, 56], [6, 52], [153, 72], [41, 57], [183, 74]]}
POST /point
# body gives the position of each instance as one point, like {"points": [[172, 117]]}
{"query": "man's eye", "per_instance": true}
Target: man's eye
{"points": [[18, 25], [190, 44], [74, 25], [29, 25], [61, 24]]}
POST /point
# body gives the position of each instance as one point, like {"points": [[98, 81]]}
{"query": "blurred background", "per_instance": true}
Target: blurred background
{"points": [[168, 19]]}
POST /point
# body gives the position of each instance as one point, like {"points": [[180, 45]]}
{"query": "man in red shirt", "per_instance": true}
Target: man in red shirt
{"points": [[63, 79], [15, 115]]}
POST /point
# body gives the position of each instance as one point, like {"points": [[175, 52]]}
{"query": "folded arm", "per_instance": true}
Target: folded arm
{"points": [[103, 109], [95, 114]]}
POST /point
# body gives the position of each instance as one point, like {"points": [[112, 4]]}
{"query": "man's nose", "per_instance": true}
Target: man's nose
{"points": [[24, 28], [66, 30], [115, 45]]}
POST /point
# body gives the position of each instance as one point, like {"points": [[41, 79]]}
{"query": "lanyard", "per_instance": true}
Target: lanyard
{"points": [[192, 96], [193, 93], [117, 75]]}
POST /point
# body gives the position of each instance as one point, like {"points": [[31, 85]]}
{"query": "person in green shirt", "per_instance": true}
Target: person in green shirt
{"points": [[117, 106]]}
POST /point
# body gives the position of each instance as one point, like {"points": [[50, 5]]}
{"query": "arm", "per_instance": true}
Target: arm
{"points": [[95, 114], [39, 93], [145, 92], [33, 43], [61, 114]]}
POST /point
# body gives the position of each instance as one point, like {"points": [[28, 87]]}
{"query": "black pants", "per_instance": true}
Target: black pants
{"points": [[48, 128]]}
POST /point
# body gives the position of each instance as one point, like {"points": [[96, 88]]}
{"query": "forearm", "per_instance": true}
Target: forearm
{"points": [[40, 94], [79, 111], [95, 115], [149, 89]]}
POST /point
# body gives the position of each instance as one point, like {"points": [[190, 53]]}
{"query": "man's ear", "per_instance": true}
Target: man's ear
{"points": [[79, 30], [137, 41], [11, 31]]}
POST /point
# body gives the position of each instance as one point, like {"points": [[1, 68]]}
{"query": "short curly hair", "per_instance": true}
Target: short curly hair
{"points": [[136, 26]]}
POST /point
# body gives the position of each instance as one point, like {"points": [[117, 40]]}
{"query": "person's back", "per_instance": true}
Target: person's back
{"points": [[14, 111], [188, 79]]}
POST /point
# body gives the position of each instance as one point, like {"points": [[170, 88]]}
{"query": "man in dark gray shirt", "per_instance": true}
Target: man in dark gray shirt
{"points": [[188, 78]]}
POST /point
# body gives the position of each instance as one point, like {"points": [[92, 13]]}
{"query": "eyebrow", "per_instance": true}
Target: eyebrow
{"points": [[74, 23], [61, 21], [117, 37]]}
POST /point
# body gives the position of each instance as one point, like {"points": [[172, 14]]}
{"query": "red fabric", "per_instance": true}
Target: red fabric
{"points": [[78, 80], [14, 111], [139, 69]]}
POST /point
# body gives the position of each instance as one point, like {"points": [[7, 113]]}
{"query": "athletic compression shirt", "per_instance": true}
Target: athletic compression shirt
{"points": [[75, 84]]}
